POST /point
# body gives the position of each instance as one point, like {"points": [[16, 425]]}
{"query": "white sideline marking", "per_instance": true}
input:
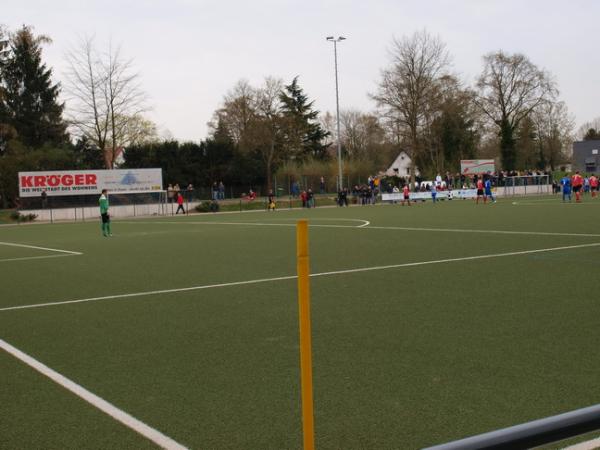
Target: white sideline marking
{"points": [[588, 445], [12, 244], [26, 258], [364, 223], [368, 226], [460, 230], [292, 277], [121, 416]]}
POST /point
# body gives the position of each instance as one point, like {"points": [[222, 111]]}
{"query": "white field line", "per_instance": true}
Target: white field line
{"points": [[12, 244], [292, 277], [370, 227], [27, 258], [588, 445], [121, 416]]}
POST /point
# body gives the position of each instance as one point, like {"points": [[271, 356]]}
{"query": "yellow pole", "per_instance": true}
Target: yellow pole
{"points": [[308, 427]]}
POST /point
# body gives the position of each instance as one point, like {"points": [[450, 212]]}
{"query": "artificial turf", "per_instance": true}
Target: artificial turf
{"points": [[404, 357]]}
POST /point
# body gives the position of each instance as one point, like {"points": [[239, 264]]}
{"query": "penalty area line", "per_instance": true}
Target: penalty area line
{"points": [[12, 244], [108, 408], [293, 277]]}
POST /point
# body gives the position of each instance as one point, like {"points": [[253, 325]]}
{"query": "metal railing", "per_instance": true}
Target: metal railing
{"points": [[532, 434]]}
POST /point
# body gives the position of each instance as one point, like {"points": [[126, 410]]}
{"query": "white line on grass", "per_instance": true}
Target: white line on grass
{"points": [[12, 244], [121, 416], [292, 277], [27, 258], [371, 227]]}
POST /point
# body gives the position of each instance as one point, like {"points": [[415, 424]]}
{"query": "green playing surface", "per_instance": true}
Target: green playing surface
{"points": [[457, 325]]}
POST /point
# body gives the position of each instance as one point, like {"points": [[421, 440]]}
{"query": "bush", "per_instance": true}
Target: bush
{"points": [[18, 217], [208, 206]]}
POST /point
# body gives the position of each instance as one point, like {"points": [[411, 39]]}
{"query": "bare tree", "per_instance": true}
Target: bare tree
{"points": [[268, 124], [408, 87], [554, 131], [362, 133], [106, 98], [237, 112], [510, 88]]}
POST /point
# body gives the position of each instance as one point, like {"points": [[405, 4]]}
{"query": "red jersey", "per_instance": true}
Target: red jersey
{"points": [[577, 180], [406, 190], [593, 181], [480, 184]]}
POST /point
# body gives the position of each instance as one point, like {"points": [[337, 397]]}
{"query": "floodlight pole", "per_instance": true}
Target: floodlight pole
{"points": [[337, 108]]}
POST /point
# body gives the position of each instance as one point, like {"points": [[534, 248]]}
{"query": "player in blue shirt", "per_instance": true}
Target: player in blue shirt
{"points": [[565, 182], [488, 190]]}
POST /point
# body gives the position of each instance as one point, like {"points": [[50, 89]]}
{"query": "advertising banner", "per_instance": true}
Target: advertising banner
{"points": [[476, 166], [398, 196], [81, 182]]}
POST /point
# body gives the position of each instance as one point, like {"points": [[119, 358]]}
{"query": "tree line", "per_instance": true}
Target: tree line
{"points": [[97, 119]]}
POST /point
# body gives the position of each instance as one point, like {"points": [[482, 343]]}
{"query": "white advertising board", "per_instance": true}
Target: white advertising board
{"points": [[441, 195], [476, 166], [81, 182]]}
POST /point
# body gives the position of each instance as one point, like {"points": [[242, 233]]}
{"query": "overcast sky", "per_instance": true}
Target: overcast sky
{"points": [[190, 53]]}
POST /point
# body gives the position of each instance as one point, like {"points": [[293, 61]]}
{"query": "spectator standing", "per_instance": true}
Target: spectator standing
{"points": [[221, 191], [310, 199], [271, 201], [343, 197], [303, 198], [322, 185]]}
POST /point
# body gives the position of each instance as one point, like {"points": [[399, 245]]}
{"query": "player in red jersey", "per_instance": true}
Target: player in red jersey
{"points": [[594, 185], [480, 190], [406, 192], [577, 182]]}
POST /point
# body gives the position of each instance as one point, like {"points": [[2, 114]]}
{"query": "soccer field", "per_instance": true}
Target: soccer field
{"points": [[430, 323]]}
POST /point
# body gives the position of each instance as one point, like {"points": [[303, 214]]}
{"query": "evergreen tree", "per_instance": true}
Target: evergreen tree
{"points": [[30, 99], [591, 135], [304, 135], [7, 132]]}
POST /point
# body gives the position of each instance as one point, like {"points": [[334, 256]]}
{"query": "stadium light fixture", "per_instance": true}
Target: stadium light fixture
{"points": [[337, 107]]}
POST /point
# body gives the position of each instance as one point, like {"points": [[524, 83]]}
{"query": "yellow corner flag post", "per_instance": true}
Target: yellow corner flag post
{"points": [[308, 427]]}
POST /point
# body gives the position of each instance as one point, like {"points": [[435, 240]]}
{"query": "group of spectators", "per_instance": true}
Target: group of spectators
{"points": [[218, 191]]}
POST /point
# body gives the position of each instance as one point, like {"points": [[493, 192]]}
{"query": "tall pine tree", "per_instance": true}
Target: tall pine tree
{"points": [[30, 99], [7, 132], [304, 135]]}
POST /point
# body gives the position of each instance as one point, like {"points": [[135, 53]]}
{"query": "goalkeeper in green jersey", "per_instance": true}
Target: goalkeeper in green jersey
{"points": [[104, 213]]}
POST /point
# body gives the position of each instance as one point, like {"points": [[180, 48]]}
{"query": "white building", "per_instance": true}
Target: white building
{"points": [[401, 166]]}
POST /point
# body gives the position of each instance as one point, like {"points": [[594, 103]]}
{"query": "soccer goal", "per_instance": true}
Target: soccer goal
{"points": [[85, 207], [525, 185]]}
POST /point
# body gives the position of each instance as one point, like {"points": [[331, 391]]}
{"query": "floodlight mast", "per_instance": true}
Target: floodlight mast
{"points": [[337, 107]]}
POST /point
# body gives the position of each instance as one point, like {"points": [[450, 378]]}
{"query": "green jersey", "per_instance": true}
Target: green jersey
{"points": [[103, 204]]}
